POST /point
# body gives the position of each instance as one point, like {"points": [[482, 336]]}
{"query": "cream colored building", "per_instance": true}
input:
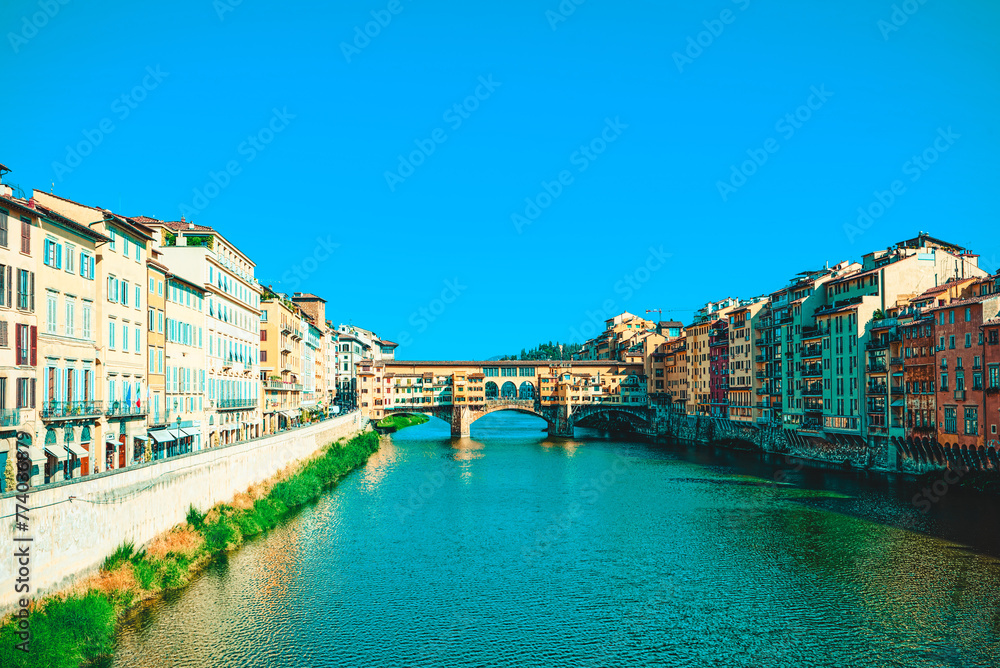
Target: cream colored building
{"points": [[120, 369], [203, 256]]}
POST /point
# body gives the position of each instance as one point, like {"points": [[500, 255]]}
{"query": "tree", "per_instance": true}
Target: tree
{"points": [[9, 474]]}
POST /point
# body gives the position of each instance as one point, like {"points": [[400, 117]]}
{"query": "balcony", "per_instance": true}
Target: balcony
{"points": [[877, 367], [814, 391], [10, 417], [896, 361], [811, 333], [159, 417], [812, 371], [761, 358], [71, 410], [898, 389], [959, 395], [763, 390], [286, 328], [877, 389], [125, 409], [761, 375], [231, 404], [811, 351]]}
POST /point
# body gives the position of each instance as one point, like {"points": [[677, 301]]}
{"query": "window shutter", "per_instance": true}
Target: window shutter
{"points": [[34, 345], [31, 291]]}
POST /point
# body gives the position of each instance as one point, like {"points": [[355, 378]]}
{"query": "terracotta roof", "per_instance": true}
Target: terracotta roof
{"points": [[307, 295], [72, 224], [992, 322], [964, 302], [857, 274], [180, 227]]}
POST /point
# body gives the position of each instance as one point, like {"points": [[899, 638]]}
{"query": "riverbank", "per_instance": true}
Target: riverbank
{"points": [[394, 423], [78, 624]]}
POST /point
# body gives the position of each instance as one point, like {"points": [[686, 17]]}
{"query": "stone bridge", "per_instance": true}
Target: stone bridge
{"points": [[560, 419]]}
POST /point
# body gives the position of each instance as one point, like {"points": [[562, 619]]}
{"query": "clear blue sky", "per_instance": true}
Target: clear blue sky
{"points": [[657, 184]]}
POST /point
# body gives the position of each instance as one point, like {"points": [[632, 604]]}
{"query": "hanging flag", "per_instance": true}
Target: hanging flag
{"points": [[128, 393]]}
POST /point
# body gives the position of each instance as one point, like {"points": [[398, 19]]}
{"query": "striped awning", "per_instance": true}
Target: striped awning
{"points": [[57, 451], [77, 450]]}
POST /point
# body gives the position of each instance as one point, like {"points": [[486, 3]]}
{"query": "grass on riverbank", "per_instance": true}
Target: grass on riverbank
{"points": [[398, 422], [78, 625]]}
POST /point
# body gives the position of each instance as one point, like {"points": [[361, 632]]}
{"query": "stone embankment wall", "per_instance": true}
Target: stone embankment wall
{"points": [[76, 524]]}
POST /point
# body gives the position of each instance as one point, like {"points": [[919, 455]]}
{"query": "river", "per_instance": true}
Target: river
{"points": [[510, 548]]}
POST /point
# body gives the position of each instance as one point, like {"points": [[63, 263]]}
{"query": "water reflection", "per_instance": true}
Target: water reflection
{"points": [[510, 548]]}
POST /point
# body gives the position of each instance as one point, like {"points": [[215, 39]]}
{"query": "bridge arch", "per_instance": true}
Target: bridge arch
{"points": [[508, 391], [492, 391], [526, 391]]}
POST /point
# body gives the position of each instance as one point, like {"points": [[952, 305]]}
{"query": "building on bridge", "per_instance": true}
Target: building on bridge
{"points": [[560, 392]]}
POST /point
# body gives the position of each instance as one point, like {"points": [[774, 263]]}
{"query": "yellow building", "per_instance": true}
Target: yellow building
{"points": [[281, 343], [68, 295]]}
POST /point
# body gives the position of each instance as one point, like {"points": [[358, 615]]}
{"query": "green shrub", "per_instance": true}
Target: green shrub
{"points": [[218, 535], [145, 574], [194, 518], [119, 556]]}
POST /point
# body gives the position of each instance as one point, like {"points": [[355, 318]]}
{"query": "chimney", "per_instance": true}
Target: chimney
{"points": [[182, 219], [5, 190]]}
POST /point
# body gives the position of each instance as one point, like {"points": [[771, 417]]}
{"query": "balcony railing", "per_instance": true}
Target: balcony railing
{"points": [[877, 389], [878, 367], [54, 410], [10, 417], [122, 408], [237, 403], [812, 370], [810, 332], [812, 391], [812, 351], [761, 358], [959, 395]]}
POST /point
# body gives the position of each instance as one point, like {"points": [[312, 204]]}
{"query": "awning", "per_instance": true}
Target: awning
{"points": [[291, 415], [164, 435], [57, 452], [77, 450], [141, 438], [187, 431], [898, 402], [110, 438], [35, 455]]}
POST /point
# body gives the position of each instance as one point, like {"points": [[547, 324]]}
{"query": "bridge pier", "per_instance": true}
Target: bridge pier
{"points": [[562, 425], [461, 421]]}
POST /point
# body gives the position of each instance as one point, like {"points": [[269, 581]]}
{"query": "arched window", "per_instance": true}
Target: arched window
{"points": [[508, 391], [527, 391], [85, 435], [492, 391], [50, 437]]}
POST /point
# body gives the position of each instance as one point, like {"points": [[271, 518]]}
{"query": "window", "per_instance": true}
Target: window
{"points": [[25, 236], [70, 324], [112, 289], [971, 420], [4, 215], [152, 285], [124, 337], [5, 285], [88, 319], [125, 248], [27, 344], [968, 314], [138, 340], [50, 313], [138, 301], [70, 259], [968, 340], [87, 265], [944, 382], [111, 334], [111, 244], [951, 340], [950, 420], [52, 254], [124, 292]]}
